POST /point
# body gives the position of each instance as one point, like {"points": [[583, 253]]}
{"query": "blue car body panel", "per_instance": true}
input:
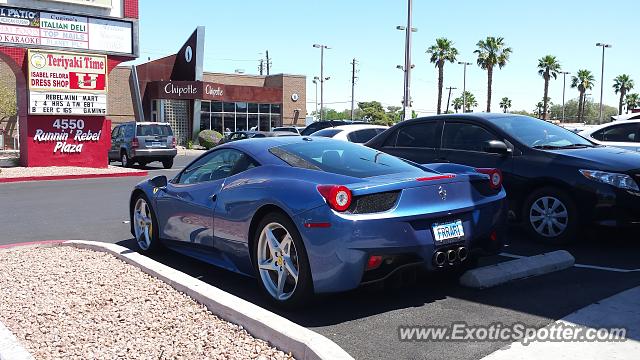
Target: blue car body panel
{"points": [[218, 230]]}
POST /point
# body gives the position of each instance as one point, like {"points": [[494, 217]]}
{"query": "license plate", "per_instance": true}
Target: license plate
{"points": [[156, 144], [448, 231]]}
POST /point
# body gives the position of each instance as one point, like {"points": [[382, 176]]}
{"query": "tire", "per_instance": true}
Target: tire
{"points": [[168, 163], [293, 292], [124, 159], [146, 244], [550, 216]]}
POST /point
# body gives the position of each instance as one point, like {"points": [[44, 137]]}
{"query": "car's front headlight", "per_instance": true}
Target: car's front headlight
{"points": [[622, 181]]}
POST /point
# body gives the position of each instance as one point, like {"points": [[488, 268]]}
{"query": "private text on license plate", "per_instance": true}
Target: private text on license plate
{"points": [[448, 231], [156, 144]]}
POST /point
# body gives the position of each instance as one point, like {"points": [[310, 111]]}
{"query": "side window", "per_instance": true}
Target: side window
{"points": [[420, 135], [468, 137], [128, 131], [362, 136], [598, 135], [115, 131], [621, 133], [216, 165]]}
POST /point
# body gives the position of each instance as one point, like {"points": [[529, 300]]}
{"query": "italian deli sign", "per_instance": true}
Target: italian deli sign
{"points": [[62, 83], [42, 29]]}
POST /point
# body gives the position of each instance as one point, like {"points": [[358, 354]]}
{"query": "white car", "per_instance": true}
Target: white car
{"points": [[356, 133], [622, 134], [293, 129]]}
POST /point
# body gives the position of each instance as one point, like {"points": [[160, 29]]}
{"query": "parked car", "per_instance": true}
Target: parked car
{"points": [[622, 134], [360, 133], [293, 129], [307, 215], [319, 125], [241, 135], [557, 181], [143, 142]]}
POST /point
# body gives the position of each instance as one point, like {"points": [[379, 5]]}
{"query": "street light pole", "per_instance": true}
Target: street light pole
{"points": [[449, 98], [564, 87], [322, 79], [604, 46], [464, 85]]}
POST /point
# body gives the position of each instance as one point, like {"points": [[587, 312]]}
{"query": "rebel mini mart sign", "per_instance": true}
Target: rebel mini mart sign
{"points": [[67, 83]]}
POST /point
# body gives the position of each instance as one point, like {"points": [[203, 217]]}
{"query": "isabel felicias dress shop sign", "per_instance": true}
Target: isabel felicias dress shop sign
{"points": [[62, 83]]}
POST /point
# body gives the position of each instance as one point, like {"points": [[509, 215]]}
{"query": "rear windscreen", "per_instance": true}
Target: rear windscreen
{"points": [[330, 132], [341, 157], [154, 130]]}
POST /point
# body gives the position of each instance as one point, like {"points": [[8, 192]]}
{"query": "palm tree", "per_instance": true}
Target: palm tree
{"points": [[622, 84], [491, 52], [632, 101], [505, 104], [548, 66], [538, 109], [441, 52], [582, 81], [457, 104], [468, 99]]}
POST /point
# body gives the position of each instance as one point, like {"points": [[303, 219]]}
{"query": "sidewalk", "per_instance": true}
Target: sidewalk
{"points": [[15, 174], [619, 311]]}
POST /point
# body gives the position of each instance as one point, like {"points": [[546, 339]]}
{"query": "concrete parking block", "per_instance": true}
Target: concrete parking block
{"points": [[261, 323], [10, 347], [492, 275]]}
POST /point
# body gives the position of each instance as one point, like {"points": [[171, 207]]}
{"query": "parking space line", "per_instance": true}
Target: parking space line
{"points": [[583, 266]]}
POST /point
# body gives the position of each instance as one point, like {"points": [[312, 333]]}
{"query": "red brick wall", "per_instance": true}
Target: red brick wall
{"points": [[130, 9]]}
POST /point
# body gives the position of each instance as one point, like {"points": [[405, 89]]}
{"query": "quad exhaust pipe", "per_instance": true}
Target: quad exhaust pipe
{"points": [[440, 258]]}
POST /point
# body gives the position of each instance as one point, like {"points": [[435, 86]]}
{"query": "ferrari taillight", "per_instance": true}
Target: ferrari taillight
{"points": [[495, 177], [337, 196]]}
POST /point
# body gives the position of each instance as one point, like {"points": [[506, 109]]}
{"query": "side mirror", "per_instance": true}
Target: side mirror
{"points": [[497, 147], [159, 181]]}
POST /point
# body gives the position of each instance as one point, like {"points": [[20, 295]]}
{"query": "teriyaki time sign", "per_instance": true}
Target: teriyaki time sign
{"points": [[63, 83]]}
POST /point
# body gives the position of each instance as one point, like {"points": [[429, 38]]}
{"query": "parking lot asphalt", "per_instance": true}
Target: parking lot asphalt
{"points": [[364, 321]]}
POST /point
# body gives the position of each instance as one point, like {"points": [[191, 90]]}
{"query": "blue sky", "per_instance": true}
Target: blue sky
{"points": [[238, 31]]}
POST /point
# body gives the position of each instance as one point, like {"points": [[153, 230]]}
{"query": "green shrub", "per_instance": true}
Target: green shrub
{"points": [[189, 144], [209, 138]]}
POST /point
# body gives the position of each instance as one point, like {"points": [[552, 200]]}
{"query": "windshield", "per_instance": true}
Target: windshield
{"points": [[153, 130], [341, 157], [538, 133]]}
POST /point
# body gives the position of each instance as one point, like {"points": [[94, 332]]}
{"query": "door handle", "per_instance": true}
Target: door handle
{"points": [[214, 197]]}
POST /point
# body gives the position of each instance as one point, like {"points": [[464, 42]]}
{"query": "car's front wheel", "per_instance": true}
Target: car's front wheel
{"points": [[280, 261], [145, 226], [550, 216]]}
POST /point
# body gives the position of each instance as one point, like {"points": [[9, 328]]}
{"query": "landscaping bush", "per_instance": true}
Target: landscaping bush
{"points": [[209, 138]]}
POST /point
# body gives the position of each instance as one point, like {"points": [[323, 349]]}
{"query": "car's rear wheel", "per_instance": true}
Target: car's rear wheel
{"points": [[550, 216], [280, 261], [167, 164], [145, 226]]}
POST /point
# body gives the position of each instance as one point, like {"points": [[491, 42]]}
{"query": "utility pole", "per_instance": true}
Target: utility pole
{"points": [[564, 87], [464, 85], [268, 62], [322, 78], [315, 82], [603, 45], [449, 98], [353, 84], [406, 102], [261, 66]]}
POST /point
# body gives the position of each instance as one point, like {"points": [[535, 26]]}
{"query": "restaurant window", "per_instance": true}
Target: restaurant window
{"points": [[227, 117], [253, 122], [229, 107], [275, 108], [264, 122], [205, 121], [205, 106], [216, 106], [253, 108], [241, 107], [216, 123], [265, 108]]}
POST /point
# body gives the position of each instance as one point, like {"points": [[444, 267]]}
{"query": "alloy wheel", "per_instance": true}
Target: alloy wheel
{"points": [[548, 216], [277, 259], [143, 224]]}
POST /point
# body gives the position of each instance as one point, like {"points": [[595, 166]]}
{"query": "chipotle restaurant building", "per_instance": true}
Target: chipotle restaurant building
{"points": [[175, 89]]}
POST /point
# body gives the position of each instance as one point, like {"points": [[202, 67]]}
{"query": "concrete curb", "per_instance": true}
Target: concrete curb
{"points": [[72, 177], [10, 347], [524, 267], [282, 333]]}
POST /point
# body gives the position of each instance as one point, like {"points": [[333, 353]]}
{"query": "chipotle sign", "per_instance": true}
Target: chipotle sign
{"points": [[189, 90]]}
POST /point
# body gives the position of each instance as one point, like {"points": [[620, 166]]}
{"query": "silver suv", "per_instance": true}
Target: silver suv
{"points": [[143, 142]]}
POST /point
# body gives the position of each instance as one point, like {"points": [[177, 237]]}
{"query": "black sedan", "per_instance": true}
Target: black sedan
{"points": [[557, 182], [251, 134]]}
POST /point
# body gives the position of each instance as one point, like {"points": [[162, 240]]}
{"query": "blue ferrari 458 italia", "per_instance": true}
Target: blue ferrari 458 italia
{"points": [[311, 215]]}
